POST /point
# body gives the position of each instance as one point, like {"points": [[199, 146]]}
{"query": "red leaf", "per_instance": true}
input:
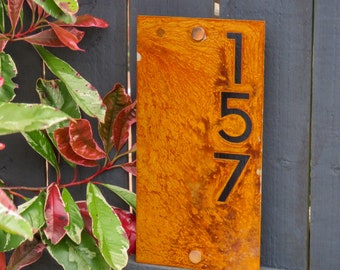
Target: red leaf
{"points": [[82, 142], [115, 101], [3, 42], [14, 8], [121, 126], [2, 146], [26, 254], [128, 221], [7, 202], [56, 216], [86, 216], [49, 37], [67, 38], [87, 20], [130, 167], [63, 142], [2, 261]]}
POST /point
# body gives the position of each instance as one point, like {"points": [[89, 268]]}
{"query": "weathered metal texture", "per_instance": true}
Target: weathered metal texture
{"points": [[199, 124], [325, 171], [187, 8], [139, 266]]}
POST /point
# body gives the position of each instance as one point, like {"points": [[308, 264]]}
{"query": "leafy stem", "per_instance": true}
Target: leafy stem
{"points": [[54, 128], [118, 156]]}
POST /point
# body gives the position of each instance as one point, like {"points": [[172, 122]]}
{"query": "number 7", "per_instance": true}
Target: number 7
{"points": [[243, 159]]}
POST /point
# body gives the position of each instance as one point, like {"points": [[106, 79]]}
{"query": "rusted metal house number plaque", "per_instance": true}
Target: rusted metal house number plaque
{"points": [[199, 139]]}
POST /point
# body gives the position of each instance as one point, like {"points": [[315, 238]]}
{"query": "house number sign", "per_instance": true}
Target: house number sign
{"points": [[199, 138]]}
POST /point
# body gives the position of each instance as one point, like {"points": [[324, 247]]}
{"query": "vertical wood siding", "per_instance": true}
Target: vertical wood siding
{"points": [[301, 116], [286, 126], [325, 189]]}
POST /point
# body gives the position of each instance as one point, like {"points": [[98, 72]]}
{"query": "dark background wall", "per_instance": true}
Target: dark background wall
{"points": [[301, 171]]}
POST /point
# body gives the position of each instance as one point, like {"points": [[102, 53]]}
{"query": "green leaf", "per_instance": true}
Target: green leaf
{"points": [[107, 228], [71, 256], [8, 71], [83, 93], [68, 6], [54, 93], [76, 226], [22, 117], [13, 223], [52, 8], [42, 145], [2, 17], [126, 195], [9, 241], [33, 211]]}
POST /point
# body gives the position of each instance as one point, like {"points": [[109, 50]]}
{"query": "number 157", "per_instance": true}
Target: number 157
{"points": [[225, 111]]}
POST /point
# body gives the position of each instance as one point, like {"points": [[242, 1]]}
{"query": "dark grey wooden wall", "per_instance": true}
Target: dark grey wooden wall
{"points": [[325, 162], [286, 126], [301, 162]]}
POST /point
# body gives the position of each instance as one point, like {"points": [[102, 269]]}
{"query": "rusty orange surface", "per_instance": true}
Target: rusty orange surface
{"points": [[190, 92]]}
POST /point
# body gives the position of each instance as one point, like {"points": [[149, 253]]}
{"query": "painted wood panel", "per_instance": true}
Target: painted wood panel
{"points": [[287, 119], [286, 123], [286, 126], [325, 188]]}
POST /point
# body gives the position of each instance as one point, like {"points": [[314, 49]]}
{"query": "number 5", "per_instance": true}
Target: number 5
{"points": [[225, 110]]}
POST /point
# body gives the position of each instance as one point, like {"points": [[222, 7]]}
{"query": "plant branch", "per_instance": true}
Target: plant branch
{"points": [[34, 189], [113, 161], [86, 180], [17, 194]]}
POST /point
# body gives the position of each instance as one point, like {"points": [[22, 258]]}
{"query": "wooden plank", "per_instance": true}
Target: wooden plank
{"points": [[104, 61], [103, 64], [200, 96], [286, 126], [17, 153], [325, 195]]}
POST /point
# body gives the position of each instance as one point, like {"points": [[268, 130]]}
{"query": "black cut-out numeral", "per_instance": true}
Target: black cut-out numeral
{"points": [[242, 161], [238, 55], [225, 110]]}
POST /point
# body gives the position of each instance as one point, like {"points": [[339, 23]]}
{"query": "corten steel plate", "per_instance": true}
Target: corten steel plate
{"points": [[199, 140]]}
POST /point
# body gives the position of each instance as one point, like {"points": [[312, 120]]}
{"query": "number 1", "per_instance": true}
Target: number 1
{"points": [[238, 55]]}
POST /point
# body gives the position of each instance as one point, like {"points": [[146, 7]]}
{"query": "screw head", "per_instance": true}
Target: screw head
{"points": [[198, 33], [195, 256]]}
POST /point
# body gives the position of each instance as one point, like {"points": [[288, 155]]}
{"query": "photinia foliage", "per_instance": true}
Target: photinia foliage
{"points": [[88, 234]]}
